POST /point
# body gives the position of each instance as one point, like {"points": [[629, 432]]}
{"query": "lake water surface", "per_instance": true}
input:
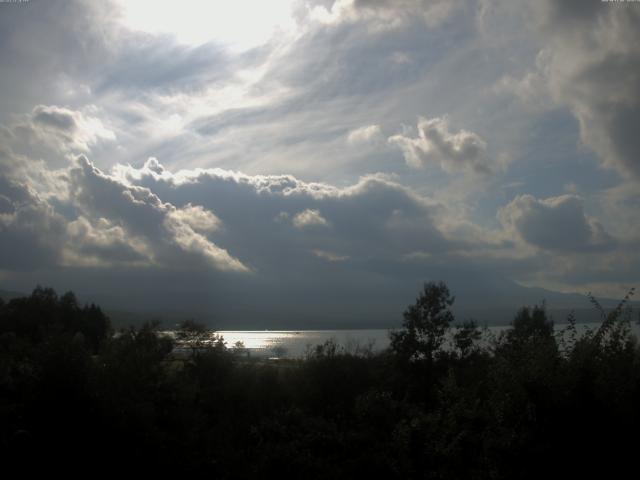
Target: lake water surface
{"points": [[296, 343]]}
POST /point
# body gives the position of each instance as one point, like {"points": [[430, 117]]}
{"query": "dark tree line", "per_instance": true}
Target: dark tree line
{"points": [[446, 400]]}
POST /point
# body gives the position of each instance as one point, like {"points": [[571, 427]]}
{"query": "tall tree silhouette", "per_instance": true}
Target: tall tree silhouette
{"points": [[425, 324]]}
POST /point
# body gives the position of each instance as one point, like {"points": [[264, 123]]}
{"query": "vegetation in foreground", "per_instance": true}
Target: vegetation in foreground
{"points": [[529, 403]]}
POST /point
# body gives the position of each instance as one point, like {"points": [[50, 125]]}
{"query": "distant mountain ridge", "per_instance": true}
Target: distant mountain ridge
{"points": [[7, 295], [490, 303]]}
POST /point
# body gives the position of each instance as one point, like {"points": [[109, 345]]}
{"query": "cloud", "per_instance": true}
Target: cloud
{"points": [[102, 243], [144, 214], [196, 106], [52, 50], [196, 217], [312, 109], [594, 69], [54, 117], [31, 232], [330, 256], [453, 152], [532, 89], [273, 221], [61, 128], [156, 64], [190, 241], [150, 219], [77, 130], [214, 228], [385, 14], [309, 218], [556, 224], [101, 222], [365, 134]]}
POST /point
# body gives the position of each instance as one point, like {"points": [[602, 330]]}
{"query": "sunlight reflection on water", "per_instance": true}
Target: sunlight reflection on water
{"points": [[295, 343], [257, 339]]}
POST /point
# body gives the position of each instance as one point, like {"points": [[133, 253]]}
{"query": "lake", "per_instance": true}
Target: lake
{"points": [[296, 343]]}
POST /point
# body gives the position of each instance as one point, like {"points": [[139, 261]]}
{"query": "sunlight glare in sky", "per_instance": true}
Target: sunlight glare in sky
{"points": [[239, 24]]}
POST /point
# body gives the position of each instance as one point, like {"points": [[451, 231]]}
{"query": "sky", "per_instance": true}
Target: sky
{"points": [[319, 159]]}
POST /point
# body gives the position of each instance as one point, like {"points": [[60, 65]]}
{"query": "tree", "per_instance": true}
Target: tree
{"points": [[531, 325], [425, 324], [531, 351], [466, 337], [95, 326], [198, 338]]}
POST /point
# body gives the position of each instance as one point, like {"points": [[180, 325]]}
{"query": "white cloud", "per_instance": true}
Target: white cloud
{"points": [[190, 241], [70, 129], [196, 217], [239, 23], [143, 214], [463, 150], [532, 88], [309, 218], [103, 244], [330, 256], [369, 133], [385, 14]]}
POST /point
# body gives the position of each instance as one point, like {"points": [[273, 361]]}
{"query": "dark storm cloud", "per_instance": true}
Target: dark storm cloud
{"points": [[281, 236], [556, 224], [295, 237], [264, 216], [55, 118], [31, 232], [594, 69]]}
